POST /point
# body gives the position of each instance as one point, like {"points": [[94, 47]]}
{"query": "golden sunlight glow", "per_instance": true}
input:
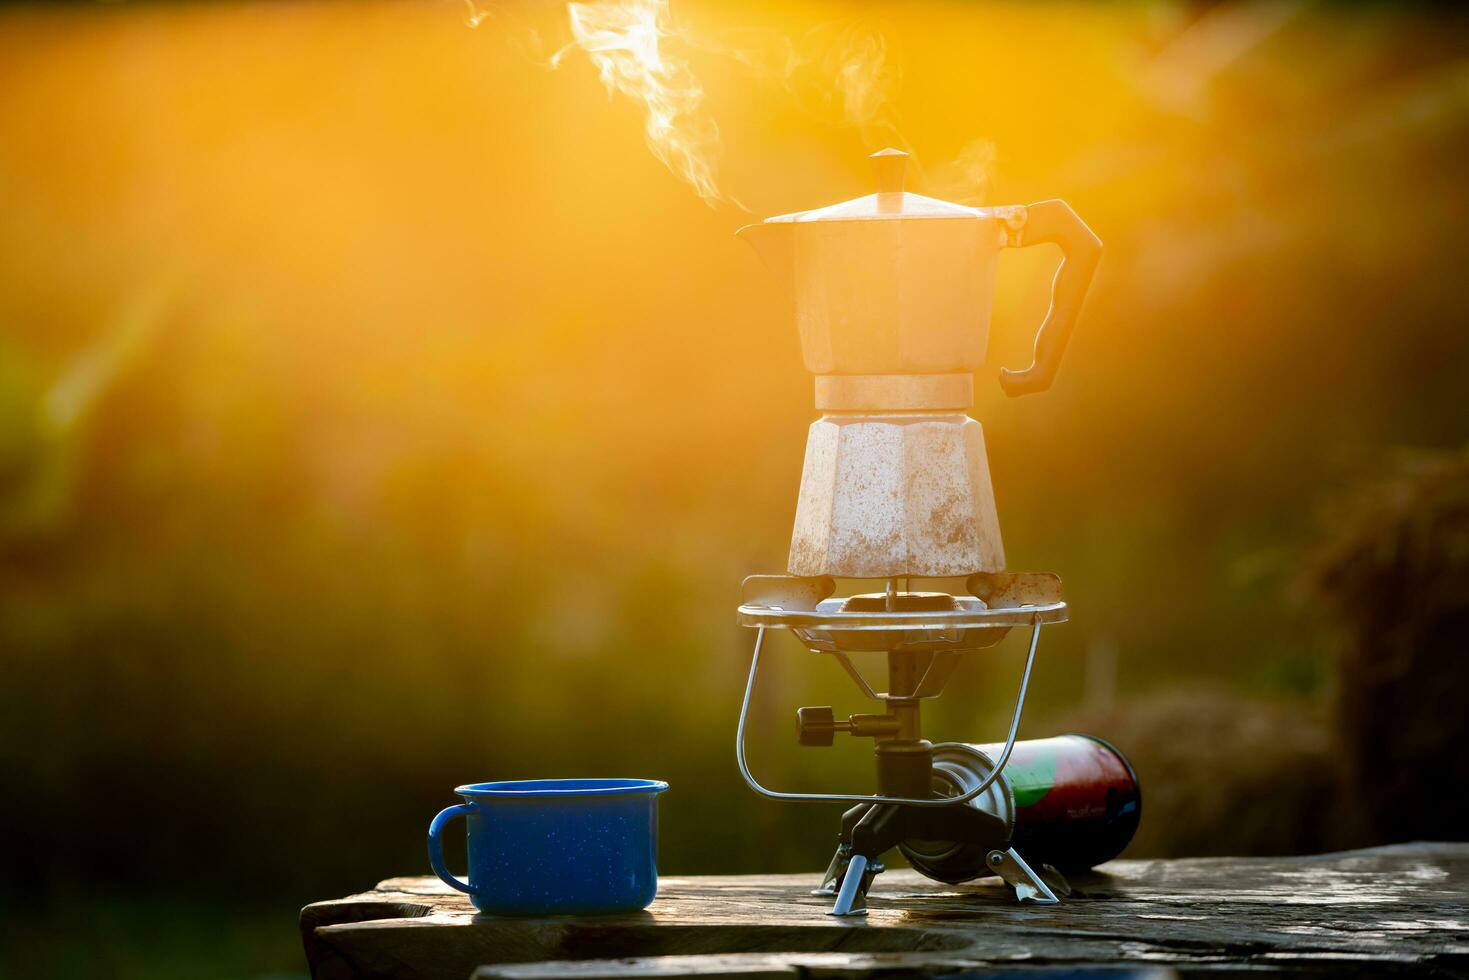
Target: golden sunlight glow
{"points": [[360, 375]]}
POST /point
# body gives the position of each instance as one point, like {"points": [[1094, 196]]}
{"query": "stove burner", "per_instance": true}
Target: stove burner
{"points": [[900, 602]]}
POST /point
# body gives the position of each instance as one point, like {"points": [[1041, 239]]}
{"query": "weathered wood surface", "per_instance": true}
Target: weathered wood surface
{"points": [[1390, 910]]}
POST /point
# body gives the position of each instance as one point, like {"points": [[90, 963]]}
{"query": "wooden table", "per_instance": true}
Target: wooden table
{"points": [[1385, 911]]}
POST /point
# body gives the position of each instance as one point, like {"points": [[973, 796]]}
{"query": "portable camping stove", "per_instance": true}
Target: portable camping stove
{"points": [[892, 293]]}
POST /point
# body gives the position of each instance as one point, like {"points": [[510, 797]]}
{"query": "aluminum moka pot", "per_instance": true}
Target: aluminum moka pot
{"points": [[896, 283], [892, 293]]}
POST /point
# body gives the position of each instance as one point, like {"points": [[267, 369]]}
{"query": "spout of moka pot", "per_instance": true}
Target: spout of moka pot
{"points": [[774, 242]]}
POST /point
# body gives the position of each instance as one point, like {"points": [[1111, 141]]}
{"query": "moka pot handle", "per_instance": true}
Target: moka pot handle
{"points": [[1054, 221]]}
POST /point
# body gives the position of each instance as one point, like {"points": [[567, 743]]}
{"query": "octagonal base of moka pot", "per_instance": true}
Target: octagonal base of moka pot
{"points": [[890, 493]]}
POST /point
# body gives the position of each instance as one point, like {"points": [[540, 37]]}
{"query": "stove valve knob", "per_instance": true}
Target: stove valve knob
{"points": [[816, 726]]}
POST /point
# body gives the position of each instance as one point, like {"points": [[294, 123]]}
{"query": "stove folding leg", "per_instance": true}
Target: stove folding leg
{"points": [[1013, 871], [872, 834], [838, 866], [852, 898], [834, 871]]}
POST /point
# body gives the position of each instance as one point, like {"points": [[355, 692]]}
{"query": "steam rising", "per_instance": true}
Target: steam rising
{"points": [[840, 74], [966, 179], [628, 42], [865, 82]]}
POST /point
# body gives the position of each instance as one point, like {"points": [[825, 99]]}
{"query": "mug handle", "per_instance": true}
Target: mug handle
{"points": [[1054, 221], [436, 844]]}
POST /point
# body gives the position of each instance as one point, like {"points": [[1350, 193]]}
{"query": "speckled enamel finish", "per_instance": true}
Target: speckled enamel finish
{"points": [[557, 846]]}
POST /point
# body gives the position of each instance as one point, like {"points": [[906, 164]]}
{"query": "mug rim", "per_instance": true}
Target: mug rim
{"points": [[540, 788]]}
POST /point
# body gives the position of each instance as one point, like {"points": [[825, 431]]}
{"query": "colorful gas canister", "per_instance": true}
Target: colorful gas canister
{"points": [[1072, 802]]}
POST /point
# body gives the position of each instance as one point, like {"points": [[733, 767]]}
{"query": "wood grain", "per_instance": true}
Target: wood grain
{"points": [[1391, 910]]}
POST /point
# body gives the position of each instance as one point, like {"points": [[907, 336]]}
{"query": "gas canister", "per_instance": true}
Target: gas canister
{"points": [[1072, 802]]}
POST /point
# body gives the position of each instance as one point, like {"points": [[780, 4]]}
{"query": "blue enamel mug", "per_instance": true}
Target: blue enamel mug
{"points": [[556, 846]]}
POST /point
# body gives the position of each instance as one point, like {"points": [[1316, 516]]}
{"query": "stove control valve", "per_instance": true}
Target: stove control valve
{"points": [[816, 726]]}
